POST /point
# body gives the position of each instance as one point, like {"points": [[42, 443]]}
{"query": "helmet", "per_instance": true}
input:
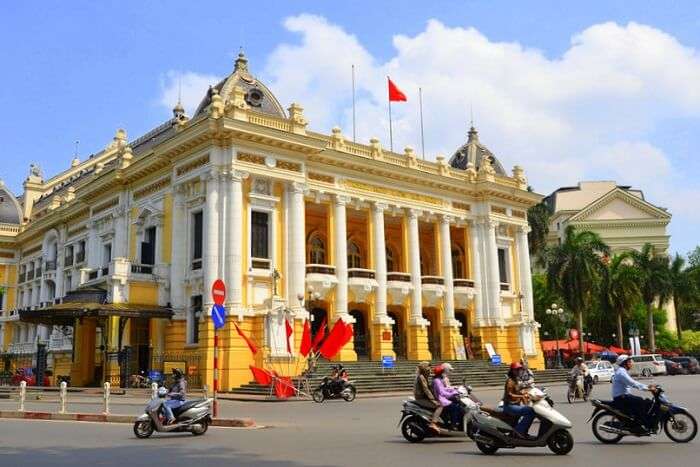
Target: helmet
{"points": [[439, 370], [621, 360], [162, 392], [516, 366], [579, 359], [177, 373], [447, 367]]}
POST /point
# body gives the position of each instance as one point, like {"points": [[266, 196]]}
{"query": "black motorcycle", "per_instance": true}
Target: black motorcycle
{"points": [[334, 389], [610, 424]]}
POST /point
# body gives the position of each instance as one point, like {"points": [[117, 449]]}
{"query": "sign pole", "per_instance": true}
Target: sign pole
{"points": [[216, 373], [218, 314]]}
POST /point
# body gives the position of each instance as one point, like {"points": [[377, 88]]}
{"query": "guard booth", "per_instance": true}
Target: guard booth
{"points": [[111, 341]]}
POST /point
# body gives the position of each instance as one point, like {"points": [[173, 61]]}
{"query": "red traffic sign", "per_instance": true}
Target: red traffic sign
{"points": [[218, 292]]}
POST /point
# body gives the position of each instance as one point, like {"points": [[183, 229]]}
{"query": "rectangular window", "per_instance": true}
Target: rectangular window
{"points": [[195, 314], [148, 246], [197, 239], [107, 255], [2, 300], [503, 265], [259, 241]]}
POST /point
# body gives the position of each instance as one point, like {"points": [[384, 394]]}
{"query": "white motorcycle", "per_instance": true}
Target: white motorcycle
{"points": [[193, 416]]}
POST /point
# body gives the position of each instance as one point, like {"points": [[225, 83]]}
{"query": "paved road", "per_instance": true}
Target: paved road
{"points": [[329, 434]]}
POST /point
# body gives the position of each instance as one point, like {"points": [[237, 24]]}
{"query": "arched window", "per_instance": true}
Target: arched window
{"points": [[354, 256], [390, 265], [317, 250], [457, 263]]}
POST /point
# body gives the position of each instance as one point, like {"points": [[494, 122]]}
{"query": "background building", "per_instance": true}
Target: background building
{"points": [[622, 217], [117, 254]]}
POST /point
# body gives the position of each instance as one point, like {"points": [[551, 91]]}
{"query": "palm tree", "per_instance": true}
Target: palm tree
{"points": [[574, 269], [655, 283], [538, 219], [683, 288], [620, 289]]}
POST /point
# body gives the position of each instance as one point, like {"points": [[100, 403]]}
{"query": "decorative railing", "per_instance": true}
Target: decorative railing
{"points": [[432, 280], [21, 347], [320, 269], [463, 283], [37, 272], [79, 257], [50, 265], [142, 268], [4, 227], [68, 260], [22, 276], [260, 263], [196, 264], [30, 274], [505, 287], [398, 277], [60, 343], [360, 273]]}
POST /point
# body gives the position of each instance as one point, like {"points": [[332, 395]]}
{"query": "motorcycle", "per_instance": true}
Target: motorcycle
{"points": [[334, 389], [415, 418], [580, 389], [193, 416], [493, 429], [610, 424]]}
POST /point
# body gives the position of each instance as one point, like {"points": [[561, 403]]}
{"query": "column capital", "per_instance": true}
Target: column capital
{"points": [[237, 176], [341, 200], [446, 219], [524, 229], [298, 187], [380, 206], [413, 213], [492, 223]]}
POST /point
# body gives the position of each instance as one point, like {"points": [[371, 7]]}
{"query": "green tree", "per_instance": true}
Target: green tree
{"points": [[694, 257], [620, 290], [574, 270], [538, 218], [655, 284], [690, 341], [682, 287], [543, 297]]}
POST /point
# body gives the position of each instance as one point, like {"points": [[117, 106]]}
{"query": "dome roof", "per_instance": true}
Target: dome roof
{"points": [[257, 95], [472, 152], [10, 211]]}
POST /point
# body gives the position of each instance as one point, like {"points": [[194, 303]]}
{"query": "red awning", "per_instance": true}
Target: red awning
{"points": [[571, 346], [617, 350]]}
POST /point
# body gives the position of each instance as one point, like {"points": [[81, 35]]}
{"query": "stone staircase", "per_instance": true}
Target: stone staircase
{"points": [[369, 377]]}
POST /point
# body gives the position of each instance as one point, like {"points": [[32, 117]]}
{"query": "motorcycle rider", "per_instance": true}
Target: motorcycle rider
{"points": [[623, 400], [445, 394], [176, 395], [423, 394], [527, 377], [515, 402], [579, 369]]}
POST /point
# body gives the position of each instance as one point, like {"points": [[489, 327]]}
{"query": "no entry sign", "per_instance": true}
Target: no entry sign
{"points": [[218, 292]]}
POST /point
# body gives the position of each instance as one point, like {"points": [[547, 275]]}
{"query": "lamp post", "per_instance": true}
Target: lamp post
{"points": [[557, 312]]}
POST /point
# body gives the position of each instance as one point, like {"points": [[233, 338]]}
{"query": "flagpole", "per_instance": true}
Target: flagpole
{"points": [[353, 105], [391, 132], [420, 105]]}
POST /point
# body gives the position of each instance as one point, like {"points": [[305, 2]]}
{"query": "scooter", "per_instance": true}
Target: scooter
{"points": [[415, 419], [581, 389], [492, 429], [334, 389], [610, 424], [193, 416]]}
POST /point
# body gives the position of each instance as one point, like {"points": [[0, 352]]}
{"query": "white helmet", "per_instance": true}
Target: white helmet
{"points": [[447, 367], [162, 392], [621, 359]]}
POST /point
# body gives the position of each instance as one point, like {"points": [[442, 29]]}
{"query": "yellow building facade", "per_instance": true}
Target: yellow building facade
{"points": [[112, 261]]}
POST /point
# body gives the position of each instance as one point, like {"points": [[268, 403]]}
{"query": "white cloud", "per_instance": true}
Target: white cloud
{"points": [[190, 85], [586, 114]]}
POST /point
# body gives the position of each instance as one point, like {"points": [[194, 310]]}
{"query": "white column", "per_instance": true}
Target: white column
{"points": [[494, 282], [121, 237], [296, 280], [414, 264], [60, 254], [234, 243], [446, 267], [480, 291], [380, 314], [179, 253], [340, 254], [211, 228], [525, 273]]}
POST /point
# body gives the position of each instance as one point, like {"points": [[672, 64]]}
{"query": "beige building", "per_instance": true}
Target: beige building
{"points": [[621, 215]]}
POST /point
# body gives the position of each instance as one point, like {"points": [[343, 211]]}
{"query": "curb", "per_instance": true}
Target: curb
{"points": [[103, 418]]}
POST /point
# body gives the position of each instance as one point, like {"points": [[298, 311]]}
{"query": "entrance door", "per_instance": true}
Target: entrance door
{"points": [[318, 317], [140, 341], [397, 336], [361, 337]]}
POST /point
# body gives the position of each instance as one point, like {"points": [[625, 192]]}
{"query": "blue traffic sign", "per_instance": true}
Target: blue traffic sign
{"points": [[218, 315], [495, 359], [387, 361]]}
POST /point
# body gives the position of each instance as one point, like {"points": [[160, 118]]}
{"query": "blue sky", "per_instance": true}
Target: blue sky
{"points": [[569, 90]]}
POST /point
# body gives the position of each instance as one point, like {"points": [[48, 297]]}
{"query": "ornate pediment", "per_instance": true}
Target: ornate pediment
{"points": [[619, 205]]}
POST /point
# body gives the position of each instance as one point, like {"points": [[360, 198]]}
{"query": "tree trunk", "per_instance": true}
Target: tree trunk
{"points": [[676, 307], [581, 347], [620, 333], [650, 328]]}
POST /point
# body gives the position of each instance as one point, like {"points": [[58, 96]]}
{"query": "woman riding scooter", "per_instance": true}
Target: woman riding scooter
{"points": [[176, 395], [445, 394], [515, 402]]}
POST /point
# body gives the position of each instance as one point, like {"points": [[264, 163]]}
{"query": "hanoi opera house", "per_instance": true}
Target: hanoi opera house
{"points": [[120, 250]]}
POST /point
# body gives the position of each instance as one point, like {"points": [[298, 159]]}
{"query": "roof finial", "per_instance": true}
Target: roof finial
{"points": [[179, 110], [76, 160], [471, 115], [241, 63]]}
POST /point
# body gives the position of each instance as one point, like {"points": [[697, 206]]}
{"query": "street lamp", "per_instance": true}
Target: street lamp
{"points": [[557, 312]]}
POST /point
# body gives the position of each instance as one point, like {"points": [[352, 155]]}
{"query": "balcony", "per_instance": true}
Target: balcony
{"points": [[22, 277], [21, 348], [142, 269], [50, 265], [320, 279], [433, 288], [37, 272], [60, 343], [79, 257], [68, 260], [361, 282], [30, 274], [463, 292], [398, 286]]}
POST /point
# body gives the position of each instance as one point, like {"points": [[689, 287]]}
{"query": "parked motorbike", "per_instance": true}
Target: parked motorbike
{"points": [[334, 389], [415, 419], [610, 424], [193, 416], [492, 429], [580, 389]]}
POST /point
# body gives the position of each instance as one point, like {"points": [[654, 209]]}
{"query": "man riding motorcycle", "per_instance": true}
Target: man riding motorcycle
{"points": [[176, 395], [580, 369], [515, 401], [623, 399], [423, 395]]}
